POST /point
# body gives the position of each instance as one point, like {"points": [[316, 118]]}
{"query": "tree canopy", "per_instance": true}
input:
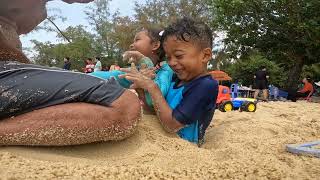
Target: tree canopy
{"points": [[285, 31], [284, 35]]}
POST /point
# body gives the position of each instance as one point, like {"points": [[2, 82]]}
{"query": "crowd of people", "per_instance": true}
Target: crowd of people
{"points": [[264, 91], [91, 65], [261, 84]]}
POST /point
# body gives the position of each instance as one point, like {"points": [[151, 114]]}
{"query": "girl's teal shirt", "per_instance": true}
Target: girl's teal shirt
{"points": [[162, 79]]}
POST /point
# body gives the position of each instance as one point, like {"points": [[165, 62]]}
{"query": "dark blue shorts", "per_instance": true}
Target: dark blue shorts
{"points": [[27, 87]]}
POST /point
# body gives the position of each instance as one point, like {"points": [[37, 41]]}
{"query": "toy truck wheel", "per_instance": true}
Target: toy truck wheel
{"points": [[249, 107], [226, 106]]}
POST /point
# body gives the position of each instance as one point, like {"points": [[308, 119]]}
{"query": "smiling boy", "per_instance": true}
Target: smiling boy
{"points": [[189, 105]]}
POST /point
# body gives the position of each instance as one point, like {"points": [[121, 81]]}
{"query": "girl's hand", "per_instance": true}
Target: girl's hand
{"points": [[132, 56], [139, 80]]}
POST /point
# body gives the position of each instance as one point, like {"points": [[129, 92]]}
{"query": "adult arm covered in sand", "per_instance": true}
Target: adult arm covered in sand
{"points": [[25, 15], [44, 113]]}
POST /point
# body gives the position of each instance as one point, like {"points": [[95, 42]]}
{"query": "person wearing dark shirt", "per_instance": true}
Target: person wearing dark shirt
{"points": [[261, 83], [67, 63]]}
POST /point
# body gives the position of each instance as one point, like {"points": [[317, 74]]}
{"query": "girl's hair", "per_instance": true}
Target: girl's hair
{"points": [[154, 35]]}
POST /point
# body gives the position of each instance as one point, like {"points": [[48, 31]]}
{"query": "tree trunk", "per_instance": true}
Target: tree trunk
{"points": [[294, 73]]}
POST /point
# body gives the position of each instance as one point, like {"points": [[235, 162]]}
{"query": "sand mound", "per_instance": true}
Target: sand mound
{"points": [[239, 146]]}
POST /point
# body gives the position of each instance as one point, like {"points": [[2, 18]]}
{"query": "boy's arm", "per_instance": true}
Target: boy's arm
{"points": [[198, 99], [162, 109]]}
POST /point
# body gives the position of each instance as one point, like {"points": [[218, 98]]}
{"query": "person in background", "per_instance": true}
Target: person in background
{"points": [[115, 66], [261, 83], [105, 67], [67, 63], [304, 92], [98, 65], [89, 66]]}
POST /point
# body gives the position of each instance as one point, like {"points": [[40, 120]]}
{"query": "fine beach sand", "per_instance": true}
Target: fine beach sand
{"points": [[239, 145]]}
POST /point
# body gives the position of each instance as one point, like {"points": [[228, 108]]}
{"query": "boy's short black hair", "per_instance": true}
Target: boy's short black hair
{"points": [[189, 30], [67, 58], [98, 58]]}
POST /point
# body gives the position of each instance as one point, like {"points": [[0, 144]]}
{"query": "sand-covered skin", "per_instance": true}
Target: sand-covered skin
{"points": [[238, 145]]}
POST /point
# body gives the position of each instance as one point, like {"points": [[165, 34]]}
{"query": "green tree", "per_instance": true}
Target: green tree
{"points": [[285, 31], [160, 13], [244, 69], [100, 18], [312, 70], [80, 48], [45, 55]]}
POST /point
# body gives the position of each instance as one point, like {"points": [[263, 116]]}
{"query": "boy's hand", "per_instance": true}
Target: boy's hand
{"points": [[132, 56], [148, 72], [139, 80]]}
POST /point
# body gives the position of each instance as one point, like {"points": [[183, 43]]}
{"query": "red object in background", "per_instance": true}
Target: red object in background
{"points": [[220, 75], [223, 94], [89, 68]]}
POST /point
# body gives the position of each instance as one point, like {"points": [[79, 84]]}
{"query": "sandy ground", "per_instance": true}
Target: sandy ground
{"points": [[239, 145]]}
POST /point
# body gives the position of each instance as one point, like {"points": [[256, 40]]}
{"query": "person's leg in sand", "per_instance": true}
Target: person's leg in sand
{"points": [[265, 94], [111, 118], [261, 85], [71, 124], [53, 122]]}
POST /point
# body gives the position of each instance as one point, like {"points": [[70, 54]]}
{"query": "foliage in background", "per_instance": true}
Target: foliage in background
{"points": [[112, 34], [312, 71], [160, 13], [285, 31], [244, 69], [80, 48]]}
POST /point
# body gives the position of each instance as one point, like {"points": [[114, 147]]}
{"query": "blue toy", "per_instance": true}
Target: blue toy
{"points": [[305, 149]]}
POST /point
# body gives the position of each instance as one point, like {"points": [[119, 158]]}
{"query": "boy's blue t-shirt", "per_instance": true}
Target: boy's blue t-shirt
{"points": [[193, 105]]}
